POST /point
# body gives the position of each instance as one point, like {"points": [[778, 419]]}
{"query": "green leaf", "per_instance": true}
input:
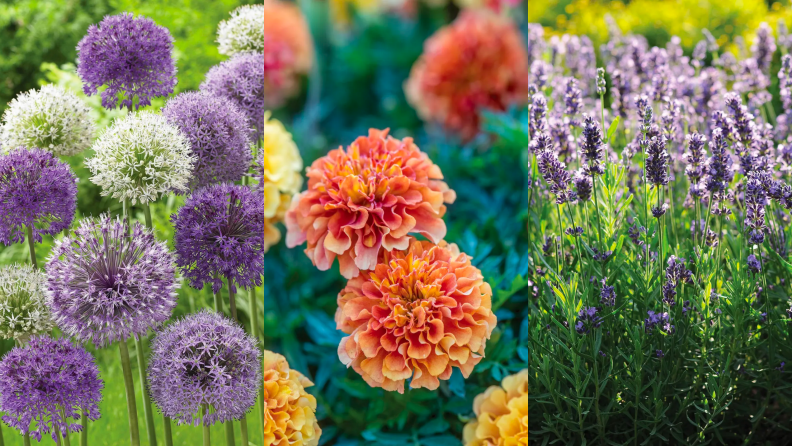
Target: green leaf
{"points": [[612, 129]]}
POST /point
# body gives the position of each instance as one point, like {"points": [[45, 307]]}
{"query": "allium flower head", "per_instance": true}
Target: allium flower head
{"points": [[242, 80], [367, 197], [478, 62], [204, 359], [218, 134], [220, 232], [131, 56], [141, 157], [106, 285], [419, 314], [36, 190], [50, 118], [289, 411], [281, 179], [23, 302], [243, 31], [501, 414], [49, 381]]}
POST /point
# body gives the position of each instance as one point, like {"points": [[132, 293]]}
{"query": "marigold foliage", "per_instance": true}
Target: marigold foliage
{"points": [[289, 411], [501, 414]]}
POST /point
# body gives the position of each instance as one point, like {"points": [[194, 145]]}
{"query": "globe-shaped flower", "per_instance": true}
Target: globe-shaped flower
{"points": [[367, 197], [243, 31], [280, 169], [23, 302], [241, 79], [219, 232], [501, 414], [478, 62], [289, 411], [141, 157], [131, 56], [218, 134], [36, 191], [49, 381], [420, 313], [204, 359], [107, 285], [50, 118]]}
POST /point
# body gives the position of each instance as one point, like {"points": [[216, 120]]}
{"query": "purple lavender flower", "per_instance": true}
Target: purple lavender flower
{"points": [[548, 243], [536, 42], [663, 320], [744, 125], [241, 79], [132, 56], [764, 47], [755, 201], [676, 274], [587, 319], [562, 137], [753, 264], [719, 166], [607, 294], [659, 211], [540, 143], [657, 162], [219, 233], [218, 133], [540, 72], [621, 87], [659, 354], [572, 97], [577, 231], [49, 381], [204, 359], [592, 146], [106, 285], [555, 174], [36, 191], [583, 186], [695, 162], [601, 84], [537, 111]]}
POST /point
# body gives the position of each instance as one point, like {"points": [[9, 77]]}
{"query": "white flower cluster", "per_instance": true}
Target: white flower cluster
{"points": [[244, 31], [140, 157], [50, 118], [23, 309]]}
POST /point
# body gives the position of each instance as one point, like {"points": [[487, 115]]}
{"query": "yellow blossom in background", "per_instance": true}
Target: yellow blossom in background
{"points": [[341, 10], [282, 179], [501, 414], [289, 411]]}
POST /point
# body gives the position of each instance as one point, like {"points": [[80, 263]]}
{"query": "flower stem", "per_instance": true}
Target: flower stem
{"points": [[244, 429], [2, 441], [84, 431], [217, 304], [168, 435], [141, 362], [255, 329], [561, 259], [32, 246], [206, 429], [129, 386], [232, 301], [596, 211], [229, 431], [147, 213], [26, 439]]}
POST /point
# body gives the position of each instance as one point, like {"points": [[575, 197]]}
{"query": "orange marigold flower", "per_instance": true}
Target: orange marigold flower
{"points": [[478, 62], [501, 414], [289, 411], [367, 197], [418, 314], [288, 50]]}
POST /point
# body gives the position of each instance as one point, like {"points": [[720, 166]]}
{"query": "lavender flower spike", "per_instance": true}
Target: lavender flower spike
{"points": [[755, 201], [657, 161], [695, 160], [572, 97], [555, 174], [105, 285], [592, 147], [241, 79], [676, 274], [764, 47]]}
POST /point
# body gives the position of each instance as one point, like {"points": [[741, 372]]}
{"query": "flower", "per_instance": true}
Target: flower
{"points": [[218, 134], [537, 114], [601, 84], [764, 47], [583, 185], [572, 97], [281, 179], [367, 197], [243, 31], [659, 211], [661, 319], [675, 274], [219, 233], [285, 25], [607, 293], [587, 319], [50, 118], [755, 201], [591, 147], [131, 56], [141, 157], [204, 359], [49, 381], [719, 167], [106, 285], [241, 79], [23, 308], [478, 62], [36, 191], [657, 161], [501, 414], [420, 313], [289, 411], [555, 174], [754, 264], [695, 159]]}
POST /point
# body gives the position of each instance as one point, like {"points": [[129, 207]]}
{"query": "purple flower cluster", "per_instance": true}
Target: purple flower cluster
{"points": [[572, 97], [657, 161], [36, 191], [719, 167], [659, 320], [607, 293], [695, 162], [537, 114], [555, 174], [592, 147], [131, 56], [755, 201], [676, 274], [587, 319], [48, 381], [241, 79], [753, 264], [583, 186], [764, 47]]}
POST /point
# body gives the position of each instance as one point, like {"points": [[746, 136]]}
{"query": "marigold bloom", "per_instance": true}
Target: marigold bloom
{"points": [[478, 62], [420, 313], [281, 176], [284, 23], [367, 197], [501, 414], [289, 411]]}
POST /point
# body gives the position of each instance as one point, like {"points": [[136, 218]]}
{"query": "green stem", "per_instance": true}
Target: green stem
{"points": [[168, 435], [32, 247], [127, 211], [229, 431], [232, 301], [217, 304], [244, 429], [26, 440], [129, 386], [596, 211], [206, 429], [58, 440], [2, 441], [84, 431], [141, 362], [560, 260], [147, 213]]}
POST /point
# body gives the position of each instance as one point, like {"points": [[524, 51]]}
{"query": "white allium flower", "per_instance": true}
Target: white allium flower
{"points": [[244, 31], [23, 308], [51, 118], [140, 157]]}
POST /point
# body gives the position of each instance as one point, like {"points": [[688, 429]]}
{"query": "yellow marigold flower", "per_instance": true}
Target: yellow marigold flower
{"points": [[282, 179], [501, 414], [420, 313], [288, 50], [367, 197], [289, 411], [478, 62]]}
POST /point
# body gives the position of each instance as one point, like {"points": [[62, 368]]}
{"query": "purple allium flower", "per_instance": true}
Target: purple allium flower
{"points": [[663, 320], [537, 113], [601, 84], [583, 186], [676, 274], [47, 380], [572, 97], [591, 147], [106, 285], [219, 232], [204, 359], [555, 174], [753, 264], [657, 162], [587, 319], [607, 293], [132, 56], [218, 133], [36, 190], [764, 47], [241, 79]]}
